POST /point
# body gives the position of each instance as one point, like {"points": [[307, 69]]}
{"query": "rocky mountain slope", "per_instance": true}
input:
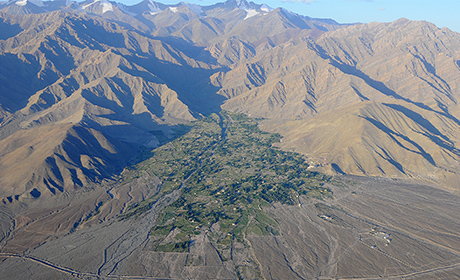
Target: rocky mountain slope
{"points": [[378, 99], [124, 75]]}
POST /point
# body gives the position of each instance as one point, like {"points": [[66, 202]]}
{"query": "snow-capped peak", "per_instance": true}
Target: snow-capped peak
{"points": [[106, 5], [153, 7], [289, 13], [38, 3], [266, 8], [252, 9], [242, 4]]}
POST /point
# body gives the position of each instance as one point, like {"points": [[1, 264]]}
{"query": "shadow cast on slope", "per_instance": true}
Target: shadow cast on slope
{"points": [[392, 134], [9, 30], [191, 84], [445, 142], [137, 150], [377, 85], [189, 49], [19, 80]]}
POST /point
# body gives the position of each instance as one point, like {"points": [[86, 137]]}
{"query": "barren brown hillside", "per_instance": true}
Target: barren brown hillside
{"points": [[380, 99]]}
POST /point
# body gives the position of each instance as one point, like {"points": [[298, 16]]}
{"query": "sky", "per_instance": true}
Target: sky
{"points": [[443, 13]]}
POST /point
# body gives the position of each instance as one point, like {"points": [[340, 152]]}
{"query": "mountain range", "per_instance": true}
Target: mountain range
{"points": [[107, 78], [110, 113]]}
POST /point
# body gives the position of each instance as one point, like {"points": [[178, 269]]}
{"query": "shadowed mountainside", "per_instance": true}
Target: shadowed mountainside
{"points": [[93, 80]]}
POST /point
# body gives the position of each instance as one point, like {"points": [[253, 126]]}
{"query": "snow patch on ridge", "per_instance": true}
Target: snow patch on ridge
{"points": [[21, 3], [173, 9], [266, 8], [24, 2], [86, 6], [106, 5], [251, 13], [153, 7], [241, 4], [289, 13]]}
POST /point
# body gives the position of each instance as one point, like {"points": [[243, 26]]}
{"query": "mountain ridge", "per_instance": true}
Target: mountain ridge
{"points": [[347, 73], [99, 72]]}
